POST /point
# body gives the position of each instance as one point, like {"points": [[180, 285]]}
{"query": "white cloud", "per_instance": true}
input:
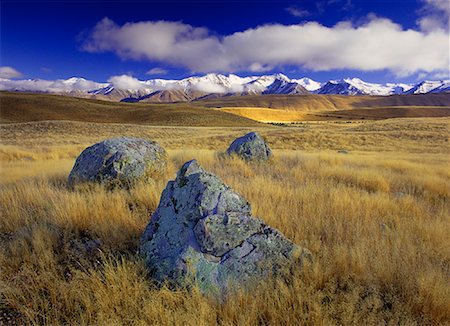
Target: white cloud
{"points": [[441, 75], [170, 42], [208, 87], [9, 72], [126, 82], [378, 44], [297, 12], [435, 15], [257, 67], [51, 86], [444, 75], [157, 71]]}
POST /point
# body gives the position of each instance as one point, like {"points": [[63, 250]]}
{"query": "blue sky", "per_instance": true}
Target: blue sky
{"points": [[60, 39]]}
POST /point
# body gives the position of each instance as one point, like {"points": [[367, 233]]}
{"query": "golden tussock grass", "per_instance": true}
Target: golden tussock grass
{"points": [[266, 114], [295, 115], [377, 222]]}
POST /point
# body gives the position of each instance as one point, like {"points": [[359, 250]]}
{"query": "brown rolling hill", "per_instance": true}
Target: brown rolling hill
{"points": [[172, 95], [288, 116], [25, 107], [383, 113], [317, 103], [226, 111]]}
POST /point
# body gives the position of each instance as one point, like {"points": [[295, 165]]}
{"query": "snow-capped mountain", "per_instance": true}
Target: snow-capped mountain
{"points": [[281, 84], [199, 87], [213, 83], [430, 86], [309, 84], [443, 88], [355, 86], [127, 88]]}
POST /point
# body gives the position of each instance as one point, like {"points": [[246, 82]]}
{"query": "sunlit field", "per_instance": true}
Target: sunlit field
{"points": [[370, 200]]}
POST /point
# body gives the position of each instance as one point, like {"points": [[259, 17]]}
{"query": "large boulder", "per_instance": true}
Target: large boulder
{"points": [[204, 231], [250, 147], [119, 162]]}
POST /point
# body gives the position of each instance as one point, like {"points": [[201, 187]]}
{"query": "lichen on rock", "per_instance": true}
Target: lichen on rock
{"points": [[204, 231], [119, 162], [250, 147]]}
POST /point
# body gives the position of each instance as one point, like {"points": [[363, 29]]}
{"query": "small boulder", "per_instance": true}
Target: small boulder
{"points": [[250, 147], [119, 162], [204, 231]]}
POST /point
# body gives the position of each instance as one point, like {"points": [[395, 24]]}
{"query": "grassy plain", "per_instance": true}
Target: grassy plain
{"points": [[376, 219]]}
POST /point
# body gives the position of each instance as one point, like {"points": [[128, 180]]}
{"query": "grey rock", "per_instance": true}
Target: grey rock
{"points": [[250, 147], [119, 162], [203, 231]]}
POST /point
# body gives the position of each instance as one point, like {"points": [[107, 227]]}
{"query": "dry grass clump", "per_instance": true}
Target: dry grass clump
{"points": [[378, 225]]}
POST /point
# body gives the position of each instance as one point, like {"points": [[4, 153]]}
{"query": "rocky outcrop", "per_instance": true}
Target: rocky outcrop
{"points": [[250, 147], [204, 231], [119, 162]]}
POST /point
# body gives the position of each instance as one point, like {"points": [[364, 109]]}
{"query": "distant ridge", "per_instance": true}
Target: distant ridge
{"points": [[26, 107], [19, 107], [214, 86]]}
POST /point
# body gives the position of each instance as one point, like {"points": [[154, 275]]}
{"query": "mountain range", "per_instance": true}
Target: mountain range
{"points": [[128, 89]]}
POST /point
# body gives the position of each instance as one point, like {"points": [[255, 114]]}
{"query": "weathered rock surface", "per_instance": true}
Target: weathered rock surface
{"points": [[119, 162], [203, 230], [250, 147]]}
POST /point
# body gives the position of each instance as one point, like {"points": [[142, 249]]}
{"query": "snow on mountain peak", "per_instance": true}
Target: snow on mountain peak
{"points": [[308, 83], [428, 86], [126, 86]]}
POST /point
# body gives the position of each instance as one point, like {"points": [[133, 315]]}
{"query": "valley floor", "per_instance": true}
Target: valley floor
{"points": [[376, 217]]}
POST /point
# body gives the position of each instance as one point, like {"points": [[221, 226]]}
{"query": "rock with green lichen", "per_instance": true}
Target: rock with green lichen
{"points": [[250, 147], [119, 162], [203, 231]]}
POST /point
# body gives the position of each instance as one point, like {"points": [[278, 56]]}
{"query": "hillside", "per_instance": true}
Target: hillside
{"points": [[24, 107], [383, 113], [316, 103], [229, 111], [375, 113]]}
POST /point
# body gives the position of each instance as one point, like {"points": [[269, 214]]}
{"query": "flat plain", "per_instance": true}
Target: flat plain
{"points": [[369, 197]]}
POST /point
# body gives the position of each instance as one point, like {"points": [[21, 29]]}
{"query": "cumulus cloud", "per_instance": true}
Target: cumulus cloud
{"points": [[126, 82], [51, 86], [9, 72], [378, 44], [170, 42], [157, 71]]}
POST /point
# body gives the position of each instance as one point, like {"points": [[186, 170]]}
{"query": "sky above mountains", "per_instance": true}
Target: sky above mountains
{"points": [[378, 41]]}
